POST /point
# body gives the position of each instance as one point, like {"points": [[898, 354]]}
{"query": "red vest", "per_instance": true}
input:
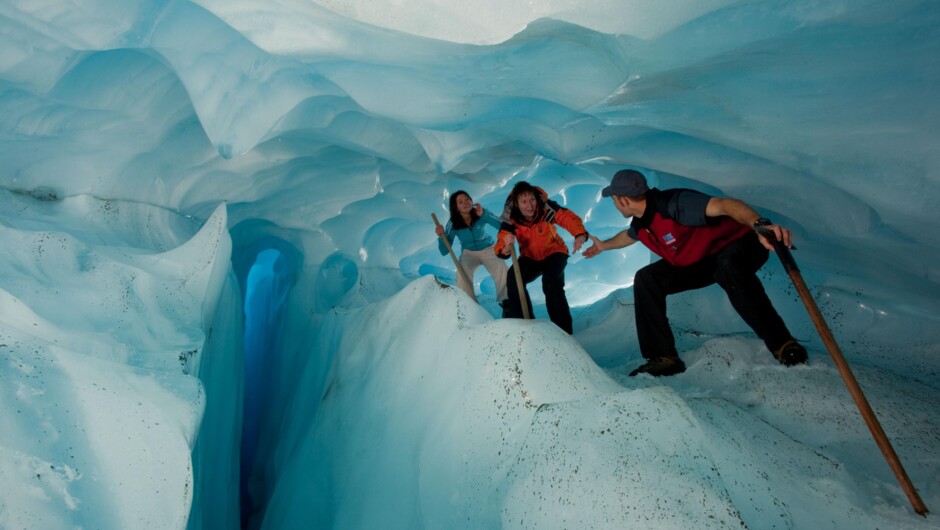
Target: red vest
{"points": [[683, 245]]}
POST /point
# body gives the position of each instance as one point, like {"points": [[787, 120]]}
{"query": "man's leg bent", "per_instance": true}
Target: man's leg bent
{"points": [[651, 285], [736, 269]]}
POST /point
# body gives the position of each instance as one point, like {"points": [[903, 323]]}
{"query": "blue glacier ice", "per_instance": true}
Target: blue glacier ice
{"points": [[222, 304]]}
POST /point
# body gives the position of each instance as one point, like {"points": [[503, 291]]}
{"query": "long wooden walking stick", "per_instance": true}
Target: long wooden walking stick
{"points": [[789, 264], [460, 269], [518, 274]]}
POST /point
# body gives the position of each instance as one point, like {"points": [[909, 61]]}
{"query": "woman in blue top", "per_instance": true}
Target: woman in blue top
{"points": [[468, 223]]}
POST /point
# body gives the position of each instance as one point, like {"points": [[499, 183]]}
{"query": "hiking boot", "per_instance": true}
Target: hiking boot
{"points": [[659, 366], [791, 353]]}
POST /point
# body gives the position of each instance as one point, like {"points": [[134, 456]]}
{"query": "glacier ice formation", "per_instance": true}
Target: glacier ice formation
{"points": [[217, 285]]}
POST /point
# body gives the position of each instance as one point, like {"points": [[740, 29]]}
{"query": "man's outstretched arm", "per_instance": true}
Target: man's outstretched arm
{"points": [[620, 240]]}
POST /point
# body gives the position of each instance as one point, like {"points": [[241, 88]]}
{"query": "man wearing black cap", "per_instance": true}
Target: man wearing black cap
{"points": [[703, 240]]}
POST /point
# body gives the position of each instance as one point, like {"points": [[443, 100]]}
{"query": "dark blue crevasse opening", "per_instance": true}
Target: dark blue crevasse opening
{"points": [[266, 290], [267, 267]]}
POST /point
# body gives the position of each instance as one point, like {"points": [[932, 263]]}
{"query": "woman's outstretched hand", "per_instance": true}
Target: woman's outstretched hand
{"points": [[578, 242]]}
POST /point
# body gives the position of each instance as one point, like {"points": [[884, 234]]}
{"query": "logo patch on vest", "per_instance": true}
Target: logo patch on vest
{"points": [[670, 241]]}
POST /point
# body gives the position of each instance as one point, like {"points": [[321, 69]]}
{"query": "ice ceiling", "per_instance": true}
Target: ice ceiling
{"points": [[150, 151]]}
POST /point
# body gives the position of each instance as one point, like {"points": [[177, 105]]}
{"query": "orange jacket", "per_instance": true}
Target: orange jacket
{"points": [[539, 238]]}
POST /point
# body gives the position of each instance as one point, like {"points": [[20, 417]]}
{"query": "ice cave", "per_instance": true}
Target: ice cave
{"points": [[222, 303]]}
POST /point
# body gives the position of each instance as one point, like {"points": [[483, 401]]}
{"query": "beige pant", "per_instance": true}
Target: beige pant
{"points": [[471, 261]]}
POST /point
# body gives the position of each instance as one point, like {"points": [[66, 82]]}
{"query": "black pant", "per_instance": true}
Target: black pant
{"points": [[734, 268], [552, 271]]}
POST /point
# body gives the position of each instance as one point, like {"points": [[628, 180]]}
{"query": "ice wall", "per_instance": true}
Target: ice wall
{"points": [[330, 131], [106, 311]]}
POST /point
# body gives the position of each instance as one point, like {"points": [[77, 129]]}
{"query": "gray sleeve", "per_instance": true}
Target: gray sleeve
{"points": [[687, 207]]}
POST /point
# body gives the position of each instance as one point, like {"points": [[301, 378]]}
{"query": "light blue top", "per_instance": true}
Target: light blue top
{"points": [[473, 238]]}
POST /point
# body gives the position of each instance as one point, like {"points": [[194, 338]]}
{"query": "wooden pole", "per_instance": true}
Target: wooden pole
{"points": [[518, 274], [789, 264], [460, 269]]}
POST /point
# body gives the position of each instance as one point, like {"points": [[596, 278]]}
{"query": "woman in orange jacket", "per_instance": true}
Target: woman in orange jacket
{"points": [[531, 221]]}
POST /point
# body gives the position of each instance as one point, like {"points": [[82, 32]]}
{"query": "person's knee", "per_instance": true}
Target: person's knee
{"points": [[726, 261], [729, 271], [553, 285], [553, 268], [644, 278]]}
